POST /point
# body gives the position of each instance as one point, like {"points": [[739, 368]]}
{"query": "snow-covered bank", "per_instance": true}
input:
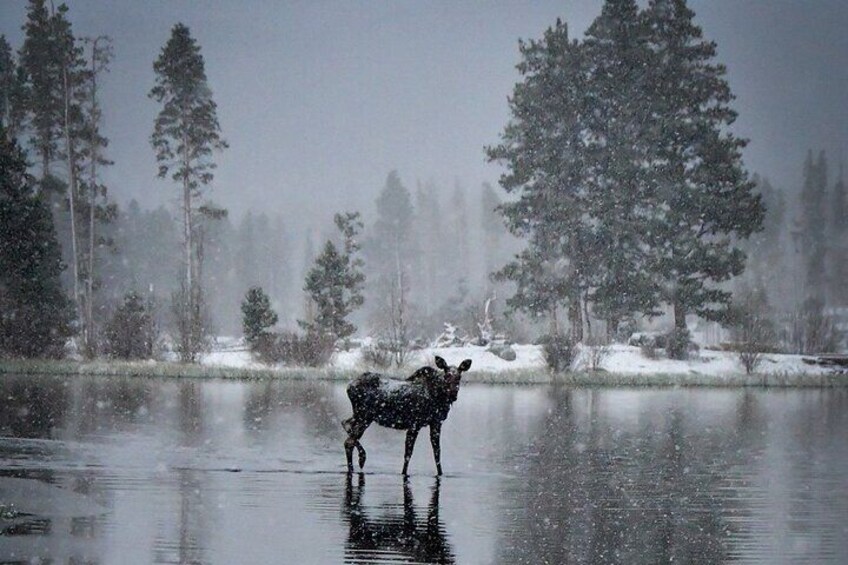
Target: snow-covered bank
{"points": [[621, 365]]}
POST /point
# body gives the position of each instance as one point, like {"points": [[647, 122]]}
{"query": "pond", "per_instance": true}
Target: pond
{"points": [[115, 470]]}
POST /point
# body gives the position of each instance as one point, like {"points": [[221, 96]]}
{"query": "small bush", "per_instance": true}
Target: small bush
{"points": [[559, 352], [678, 343], [377, 356], [598, 351], [307, 350], [649, 351], [131, 333]]}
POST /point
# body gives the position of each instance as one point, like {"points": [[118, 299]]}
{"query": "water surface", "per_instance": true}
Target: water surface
{"points": [[97, 470]]}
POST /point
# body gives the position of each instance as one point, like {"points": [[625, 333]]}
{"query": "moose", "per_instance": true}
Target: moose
{"points": [[424, 399]]}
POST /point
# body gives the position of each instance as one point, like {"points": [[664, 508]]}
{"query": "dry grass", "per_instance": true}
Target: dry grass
{"points": [[148, 369]]}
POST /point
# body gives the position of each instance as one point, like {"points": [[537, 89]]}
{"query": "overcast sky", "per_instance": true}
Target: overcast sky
{"points": [[319, 100]]}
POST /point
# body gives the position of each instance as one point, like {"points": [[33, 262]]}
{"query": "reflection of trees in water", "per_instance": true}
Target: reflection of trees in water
{"points": [[189, 543], [267, 401], [389, 534], [190, 418], [32, 407], [602, 491]]}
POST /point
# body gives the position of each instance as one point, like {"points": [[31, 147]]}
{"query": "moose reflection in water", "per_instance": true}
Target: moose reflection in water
{"points": [[390, 533], [422, 400]]}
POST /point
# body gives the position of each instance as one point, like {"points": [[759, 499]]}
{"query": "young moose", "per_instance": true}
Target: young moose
{"points": [[424, 399]]}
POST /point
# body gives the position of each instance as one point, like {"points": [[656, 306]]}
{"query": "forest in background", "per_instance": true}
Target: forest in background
{"points": [[432, 248]]}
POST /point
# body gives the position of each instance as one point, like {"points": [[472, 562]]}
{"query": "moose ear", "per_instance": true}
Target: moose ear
{"points": [[464, 366], [440, 363]]}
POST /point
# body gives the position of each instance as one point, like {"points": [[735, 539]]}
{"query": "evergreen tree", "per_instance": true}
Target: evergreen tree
{"points": [[40, 59], [12, 93], [839, 242], [131, 333], [389, 255], [430, 241], [95, 210], [492, 225], [257, 315], [34, 312], [185, 134], [621, 284], [335, 282], [544, 150], [704, 201], [813, 224]]}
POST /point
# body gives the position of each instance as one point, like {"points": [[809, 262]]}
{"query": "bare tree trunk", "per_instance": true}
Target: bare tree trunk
{"points": [[188, 306], [72, 193], [575, 318], [552, 319], [679, 313]]}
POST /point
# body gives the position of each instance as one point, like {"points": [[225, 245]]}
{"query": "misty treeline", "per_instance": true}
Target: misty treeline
{"points": [[627, 206]]}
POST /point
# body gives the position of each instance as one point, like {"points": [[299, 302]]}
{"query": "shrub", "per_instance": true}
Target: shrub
{"points": [[306, 350], [677, 345], [649, 351], [598, 350], [132, 332], [752, 328], [559, 352], [377, 356]]}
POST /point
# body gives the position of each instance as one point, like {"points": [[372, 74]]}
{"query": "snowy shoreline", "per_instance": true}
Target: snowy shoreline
{"points": [[621, 365]]}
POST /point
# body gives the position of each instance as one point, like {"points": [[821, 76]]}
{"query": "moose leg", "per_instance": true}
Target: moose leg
{"points": [[435, 437], [355, 428], [411, 435]]}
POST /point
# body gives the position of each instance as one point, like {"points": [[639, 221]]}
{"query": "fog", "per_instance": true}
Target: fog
{"points": [[319, 101]]}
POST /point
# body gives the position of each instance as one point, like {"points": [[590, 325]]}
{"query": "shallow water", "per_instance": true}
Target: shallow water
{"points": [[96, 470]]}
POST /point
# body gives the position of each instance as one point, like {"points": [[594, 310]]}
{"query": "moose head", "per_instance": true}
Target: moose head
{"points": [[452, 376]]}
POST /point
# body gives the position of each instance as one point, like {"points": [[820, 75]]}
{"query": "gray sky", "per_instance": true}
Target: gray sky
{"points": [[319, 100]]}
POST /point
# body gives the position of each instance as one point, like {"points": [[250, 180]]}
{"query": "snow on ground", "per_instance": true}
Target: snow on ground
{"points": [[619, 359]]}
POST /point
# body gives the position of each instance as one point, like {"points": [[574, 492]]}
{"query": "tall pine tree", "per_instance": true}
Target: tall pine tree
{"points": [[704, 201], [185, 134], [544, 149]]}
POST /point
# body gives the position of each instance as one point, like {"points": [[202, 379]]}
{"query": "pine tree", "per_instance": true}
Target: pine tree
{"points": [[813, 223], [258, 315], [185, 134], [34, 312], [10, 111], [131, 333], [40, 59], [704, 201], [335, 282], [388, 252], [839, 242], [492, 225], [95, 208], [621, 284], [544, 150]]}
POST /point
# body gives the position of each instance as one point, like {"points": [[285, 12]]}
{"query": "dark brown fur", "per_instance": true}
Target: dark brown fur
{"points": [[422, 400]]}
